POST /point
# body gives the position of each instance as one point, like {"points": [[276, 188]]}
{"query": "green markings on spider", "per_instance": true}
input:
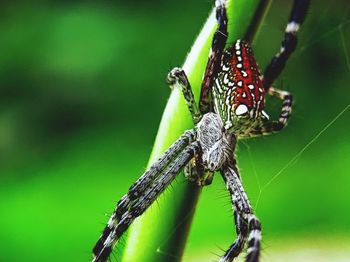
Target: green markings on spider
{"points": [[161, 233]]}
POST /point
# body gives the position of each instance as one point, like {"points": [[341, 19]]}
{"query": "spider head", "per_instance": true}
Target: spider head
{"points": [[238, 90]]}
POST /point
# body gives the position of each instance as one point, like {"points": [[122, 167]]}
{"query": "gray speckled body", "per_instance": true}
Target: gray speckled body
{"points": [[215, 141]]}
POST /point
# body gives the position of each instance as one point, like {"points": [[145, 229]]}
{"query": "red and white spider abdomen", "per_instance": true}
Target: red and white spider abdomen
{"points": [[238, 91]]}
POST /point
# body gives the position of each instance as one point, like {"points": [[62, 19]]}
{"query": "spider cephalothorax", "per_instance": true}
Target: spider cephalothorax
{"points": [[215, 141], [231, 106]]}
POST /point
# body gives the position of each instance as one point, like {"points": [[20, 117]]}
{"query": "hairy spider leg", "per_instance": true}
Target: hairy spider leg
{"points": [[214, 61], [277, 64], [246, 221], [289, 43], [254, 239], [286, 110], [141, 184], [139, 206], [194, 171], [177, 79], [242, 233]]}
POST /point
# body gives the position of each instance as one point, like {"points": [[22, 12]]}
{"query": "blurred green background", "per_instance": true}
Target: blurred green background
{"points": [[81, 95]]}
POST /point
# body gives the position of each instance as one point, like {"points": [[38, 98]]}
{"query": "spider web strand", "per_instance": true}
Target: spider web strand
{"points": [[305, 147], [341, 32], [322, 36]]}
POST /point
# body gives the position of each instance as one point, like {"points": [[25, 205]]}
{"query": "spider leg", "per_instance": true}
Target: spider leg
{"points": [[247, 225], [142, 183], [177, 78], [242, 232], [269, 127], [254, 239], [286, 110], [289, 43], [214, 61], [139, 206]]}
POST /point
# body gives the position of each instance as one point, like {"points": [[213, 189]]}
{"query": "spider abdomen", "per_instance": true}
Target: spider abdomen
{"points": [[238, 91]]}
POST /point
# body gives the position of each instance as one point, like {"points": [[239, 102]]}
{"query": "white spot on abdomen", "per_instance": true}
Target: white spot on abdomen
{"points": [[241, 109]]}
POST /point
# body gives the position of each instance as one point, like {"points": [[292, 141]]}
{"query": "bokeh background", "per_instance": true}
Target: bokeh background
{"points": [[81, 95]]}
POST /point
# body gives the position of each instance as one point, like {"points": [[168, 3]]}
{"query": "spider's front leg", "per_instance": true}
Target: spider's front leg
{"points": [[289, 43], [139, 206], [177, 76], [247, 225], [177, 79], [138, 188], [215, 56], [194, 171]]}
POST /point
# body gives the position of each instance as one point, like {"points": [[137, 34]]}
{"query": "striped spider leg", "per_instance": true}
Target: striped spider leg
{"points": [[278, 62], [245, 220], [145, 191], [289, 43], [231, 107]]}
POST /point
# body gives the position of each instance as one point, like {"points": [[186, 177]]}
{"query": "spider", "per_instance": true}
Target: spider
{"points": [[231, 107]]}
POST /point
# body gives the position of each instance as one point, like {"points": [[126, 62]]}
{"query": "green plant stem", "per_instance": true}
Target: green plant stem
{"points": [[161, 233]]}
